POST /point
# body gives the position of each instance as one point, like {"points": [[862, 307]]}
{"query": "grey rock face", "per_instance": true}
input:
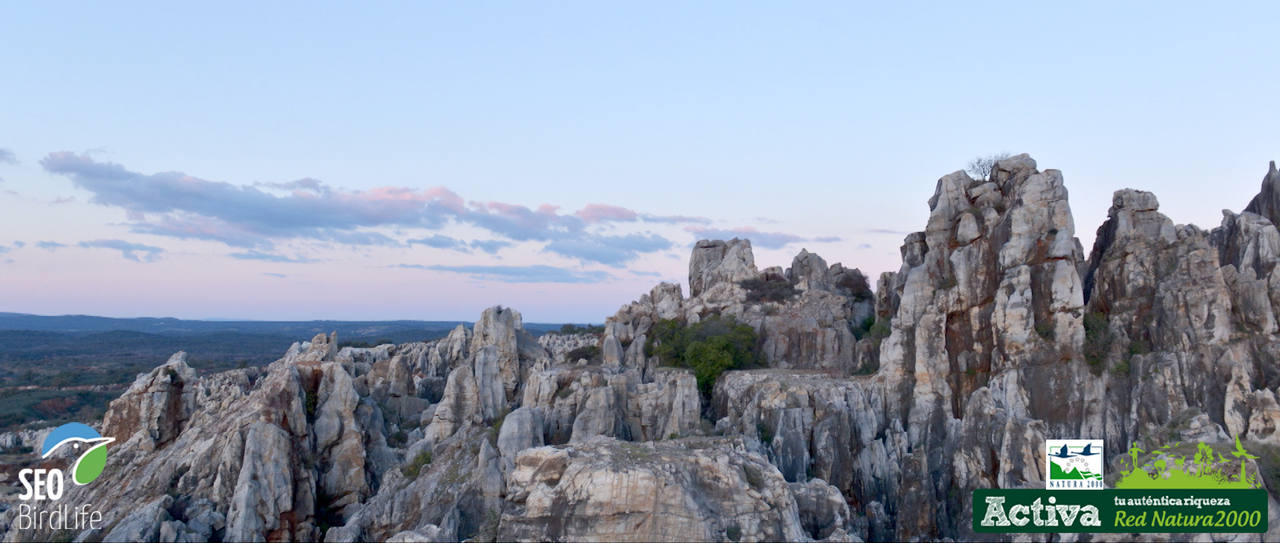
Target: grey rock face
{"points": [[715, 262], [698, 489], [157, 404], [498, 329], [521, 429], [1267, 202]]}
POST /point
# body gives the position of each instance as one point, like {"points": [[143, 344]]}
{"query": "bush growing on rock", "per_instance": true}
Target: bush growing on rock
{"points": [[414, 468], [710, 347], [768, 290], [573, 329], [856, 284], [980, 167], [589, 352], [873, 328], [1097, 339]]}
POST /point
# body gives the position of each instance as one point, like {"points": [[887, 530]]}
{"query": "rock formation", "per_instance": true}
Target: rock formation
{"points": [[875, 415]]}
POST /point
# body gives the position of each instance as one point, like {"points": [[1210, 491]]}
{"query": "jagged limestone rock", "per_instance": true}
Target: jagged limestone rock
{"points": [[696, 489], [716, 262], [1000, 335], [157, 405]]}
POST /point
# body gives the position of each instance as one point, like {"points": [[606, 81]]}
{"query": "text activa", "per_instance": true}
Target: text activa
{"points": [[1038, 514]]}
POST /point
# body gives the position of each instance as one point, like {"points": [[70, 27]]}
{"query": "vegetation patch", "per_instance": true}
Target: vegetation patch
{"points": [[589, 352], [768, 290], [856, 284], [398, 439], [1139, 347], [53, 406], [871, 327], [573, 329], [415, 467], [364, 344], [710, 347], [496, 429], [1097, 340]]}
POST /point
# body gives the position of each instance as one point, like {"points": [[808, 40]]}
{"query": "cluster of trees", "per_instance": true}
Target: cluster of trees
{"points": [[709, 347], [574, 329]]}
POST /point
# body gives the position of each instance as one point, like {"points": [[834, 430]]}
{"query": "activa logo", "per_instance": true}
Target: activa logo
{"points": [[1073, 464], [43, 484]]}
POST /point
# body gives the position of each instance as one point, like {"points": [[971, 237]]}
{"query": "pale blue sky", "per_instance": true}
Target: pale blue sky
{"points": [[827, 122]]}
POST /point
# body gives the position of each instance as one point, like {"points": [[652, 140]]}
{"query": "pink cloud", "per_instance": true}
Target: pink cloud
{"points": [[605, 212]]}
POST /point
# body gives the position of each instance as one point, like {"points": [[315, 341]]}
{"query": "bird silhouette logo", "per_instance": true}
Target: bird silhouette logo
{"points": [[88, 444]]}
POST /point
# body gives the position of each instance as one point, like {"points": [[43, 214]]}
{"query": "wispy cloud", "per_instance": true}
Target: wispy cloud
{"points": [[609, 250], [269, 257], [605, 212], [887, 231], [183, 206], [7, 156], [764, 240], [441, 241], [136, 252], [49, 245], [491, 246], [518, 274], [276, 275]]}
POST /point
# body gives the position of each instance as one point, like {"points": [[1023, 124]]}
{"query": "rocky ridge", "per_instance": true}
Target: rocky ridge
{"points": [[877, 414]]}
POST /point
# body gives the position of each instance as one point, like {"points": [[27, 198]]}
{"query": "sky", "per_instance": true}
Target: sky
{"points": [[427, 160]]}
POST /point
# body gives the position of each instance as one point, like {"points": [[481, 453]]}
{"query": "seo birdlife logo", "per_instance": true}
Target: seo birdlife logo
{"points": [[41, 484]]}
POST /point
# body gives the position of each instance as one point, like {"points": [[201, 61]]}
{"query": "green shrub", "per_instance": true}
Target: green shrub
{"points": [[1138, 347], [1097, 339], [311, 400], [496, 429], [764, 433], [734, 533], [1045, 330], [856, 284], [572, 329], [880, 330], [398, 438], [860, 330], [709, 348], [768, 290], [1121, 368], [414, 468]]}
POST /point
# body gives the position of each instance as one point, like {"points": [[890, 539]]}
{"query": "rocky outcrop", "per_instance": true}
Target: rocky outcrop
{"points": [[156, 406], [698, 489], [1267, 202], [876, 414], [716, 262]]}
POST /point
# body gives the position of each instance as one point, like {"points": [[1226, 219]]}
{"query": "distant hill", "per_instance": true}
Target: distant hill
{"points": [[354, 330], [79, 362]]}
